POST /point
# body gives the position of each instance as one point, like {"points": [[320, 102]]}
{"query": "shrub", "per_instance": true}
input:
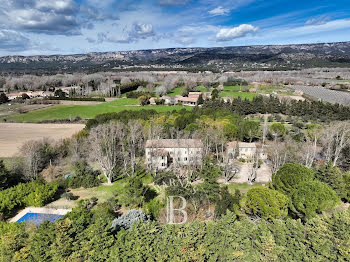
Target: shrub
{"points": [[68, 196], [84, 176], [289, 176], [333, 177], [137, 94], [4, 173], [36, 193], [125, 221], [153, 207], [3, 98], [94, 99], [312, 197], [226, 201], [134, 192], [266, 203], [347, 186]]}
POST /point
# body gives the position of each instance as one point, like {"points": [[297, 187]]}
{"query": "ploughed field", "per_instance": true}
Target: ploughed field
{"points": [[13, 135]]}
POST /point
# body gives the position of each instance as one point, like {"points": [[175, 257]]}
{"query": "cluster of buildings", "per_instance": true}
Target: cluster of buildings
{"points": [[31, 94], [166, 153], [190, 100]]}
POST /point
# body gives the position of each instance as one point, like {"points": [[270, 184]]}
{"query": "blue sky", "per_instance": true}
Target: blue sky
{"points": [[30, 27]]}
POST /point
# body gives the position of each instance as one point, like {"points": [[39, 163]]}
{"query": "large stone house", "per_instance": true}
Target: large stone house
{"points": [[237, 150], [167, 153]]}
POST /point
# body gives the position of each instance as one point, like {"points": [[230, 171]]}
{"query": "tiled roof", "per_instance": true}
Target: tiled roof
{"points": [[174, 143], [240, 144], [187, 99]]}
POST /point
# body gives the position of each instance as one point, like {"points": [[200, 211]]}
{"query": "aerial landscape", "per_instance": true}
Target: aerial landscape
{"points": [[174, 130]]}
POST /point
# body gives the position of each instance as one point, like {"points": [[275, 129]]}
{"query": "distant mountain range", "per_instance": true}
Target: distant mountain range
{"points": [[268, 57]]}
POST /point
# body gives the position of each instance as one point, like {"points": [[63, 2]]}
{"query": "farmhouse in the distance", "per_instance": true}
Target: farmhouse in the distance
{"points": [[167, 153]]}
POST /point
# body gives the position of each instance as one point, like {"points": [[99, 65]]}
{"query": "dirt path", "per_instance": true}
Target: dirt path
{"points": [[13, 135]]}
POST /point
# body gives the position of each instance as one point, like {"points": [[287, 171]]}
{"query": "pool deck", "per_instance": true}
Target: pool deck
{"points": [[41, 210]]}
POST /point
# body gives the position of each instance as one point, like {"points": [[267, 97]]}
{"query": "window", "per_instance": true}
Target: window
{"points": [[162, 157], [178, 159], [149, 153], [163, 164], [185, 158], [149, 160]]}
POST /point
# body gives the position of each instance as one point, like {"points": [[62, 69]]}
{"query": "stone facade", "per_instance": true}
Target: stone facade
{"points": [[167, 153], [237, 150]]}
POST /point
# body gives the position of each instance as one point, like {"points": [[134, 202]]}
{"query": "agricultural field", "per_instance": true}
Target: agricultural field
{"points": [[10, 109], [324, 94], [13, 135], [86, 112]]}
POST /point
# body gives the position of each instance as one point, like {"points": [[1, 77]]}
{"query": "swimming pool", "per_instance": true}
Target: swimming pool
{"points": [[38, 218]]}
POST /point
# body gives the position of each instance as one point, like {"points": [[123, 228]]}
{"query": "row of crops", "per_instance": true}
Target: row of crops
{"points": [[323, 94]]}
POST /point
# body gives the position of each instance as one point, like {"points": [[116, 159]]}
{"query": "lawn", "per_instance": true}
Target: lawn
{"points": [[87, 111], [102, 192], [234, 91], [176, 92], [243, 188], [242, 95]]}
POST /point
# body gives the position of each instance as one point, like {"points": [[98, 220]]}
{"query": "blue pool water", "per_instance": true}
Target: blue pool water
{"points": [[38, 218]]}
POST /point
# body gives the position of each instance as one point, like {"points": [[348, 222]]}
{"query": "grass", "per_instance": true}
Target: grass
{"points": [[242, 95], [102, 192], [243, 188], [86, 112], [176, 92]]}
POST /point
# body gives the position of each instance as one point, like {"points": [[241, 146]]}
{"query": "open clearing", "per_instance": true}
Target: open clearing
{"points": [[87, 111], [13, 135]]}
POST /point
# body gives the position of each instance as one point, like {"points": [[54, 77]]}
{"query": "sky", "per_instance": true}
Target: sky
{"points": [[44, 27]]}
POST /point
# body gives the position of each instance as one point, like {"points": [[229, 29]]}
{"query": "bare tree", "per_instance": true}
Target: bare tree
{"points": [[31, 154], [135, 139], [106, 147], [309, 149], [335, 138]]}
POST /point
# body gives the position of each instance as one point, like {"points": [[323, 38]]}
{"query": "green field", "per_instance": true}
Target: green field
{"points": [[243, 188], [176, 92], [88, 111]]}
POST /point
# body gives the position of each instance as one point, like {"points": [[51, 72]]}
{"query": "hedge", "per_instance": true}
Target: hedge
{"points": [[95, 99], [36, 193]]}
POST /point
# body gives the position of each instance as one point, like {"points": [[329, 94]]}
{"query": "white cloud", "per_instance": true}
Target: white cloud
{"points": [[219, 11], [227, 34], [138, 31], [173, 2], [143, 30], [13, 41], [50, 17], [318, 20], [319, 28]]}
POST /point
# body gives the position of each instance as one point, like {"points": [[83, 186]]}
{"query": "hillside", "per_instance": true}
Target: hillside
{"points": [[280, 57]]}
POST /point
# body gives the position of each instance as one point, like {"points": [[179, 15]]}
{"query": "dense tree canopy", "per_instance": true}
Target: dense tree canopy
{"points": [[333, 177], [266, 203], [289, 176], [312, 197]]}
